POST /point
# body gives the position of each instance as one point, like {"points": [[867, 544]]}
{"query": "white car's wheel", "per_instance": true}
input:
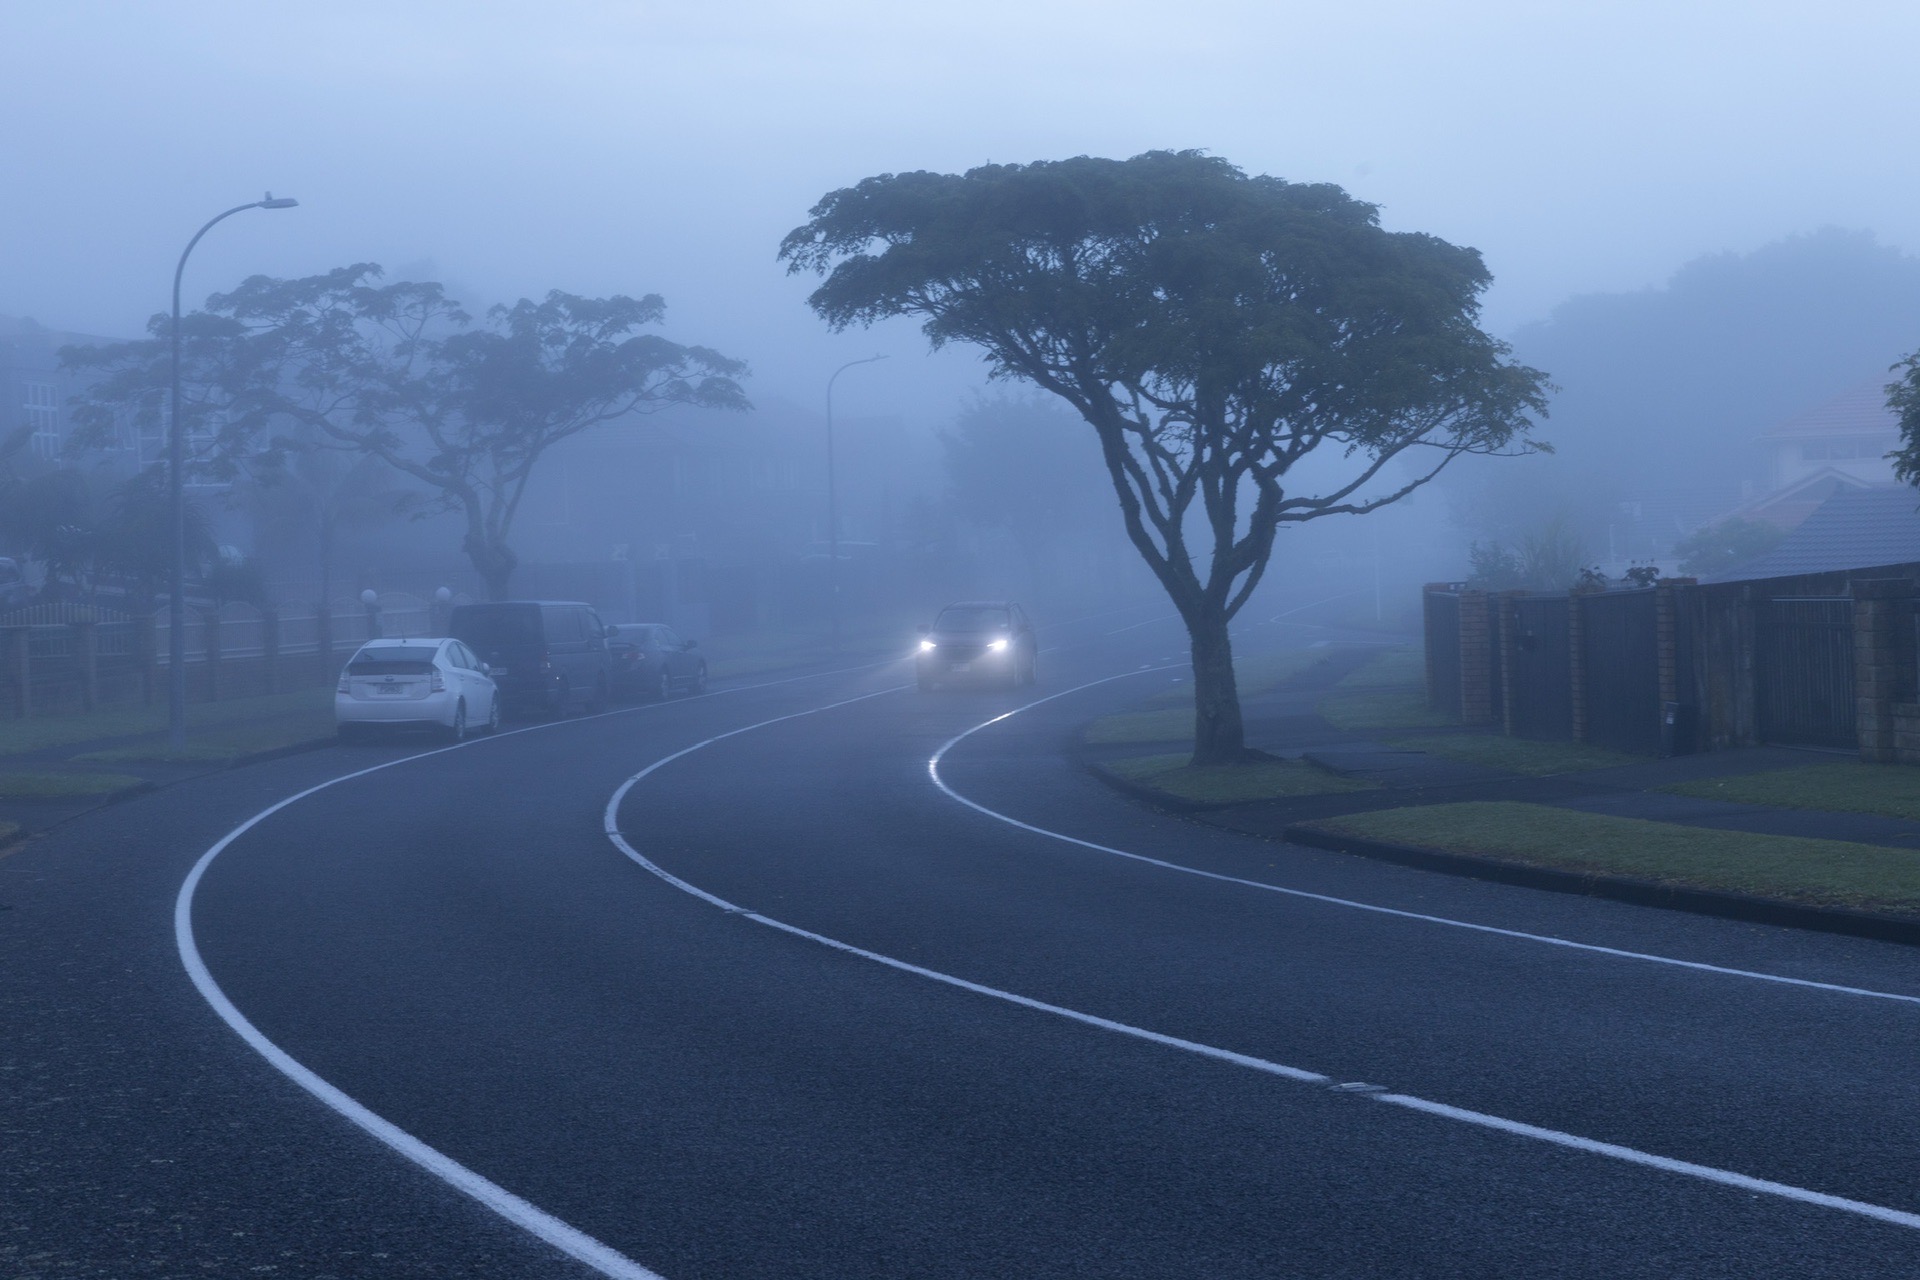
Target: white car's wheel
{"points": [[458, 729], [493, 714]]}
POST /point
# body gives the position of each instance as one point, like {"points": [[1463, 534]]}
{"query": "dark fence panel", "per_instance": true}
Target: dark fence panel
{"points": [[1804, 672], [1542, 669], [1620, 659], [1443, 652]]}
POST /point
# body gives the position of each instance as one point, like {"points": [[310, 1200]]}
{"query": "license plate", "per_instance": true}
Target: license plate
{"points": [[391, 690]]}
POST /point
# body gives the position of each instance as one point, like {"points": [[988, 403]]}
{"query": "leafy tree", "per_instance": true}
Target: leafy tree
{"points": [[398, 372], [1719, 548], [1018, 463], [1215, 330], [1903, 397]]}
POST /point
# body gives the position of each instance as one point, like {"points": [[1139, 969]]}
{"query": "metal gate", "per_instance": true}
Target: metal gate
{"points": [[1804, 691], [1620, 660], [1542, 670]]}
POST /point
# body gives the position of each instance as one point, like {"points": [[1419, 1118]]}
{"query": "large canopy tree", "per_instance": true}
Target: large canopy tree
{"points": [[1214, 329], [397, 372], [1903, 397]]}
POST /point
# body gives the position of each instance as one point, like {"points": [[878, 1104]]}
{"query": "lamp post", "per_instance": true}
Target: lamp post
{"points": [[177, 500], [833, 508]]}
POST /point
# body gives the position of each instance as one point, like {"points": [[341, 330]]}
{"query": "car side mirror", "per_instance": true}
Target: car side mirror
{"points": [[485, 669]]}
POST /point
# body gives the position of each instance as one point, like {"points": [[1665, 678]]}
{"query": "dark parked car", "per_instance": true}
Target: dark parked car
{"points": [[650, 661], [988, 640], [547, 656]]}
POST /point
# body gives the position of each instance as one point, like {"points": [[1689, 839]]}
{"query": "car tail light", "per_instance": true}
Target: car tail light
{"points": [[439, 681], [343, 686]]}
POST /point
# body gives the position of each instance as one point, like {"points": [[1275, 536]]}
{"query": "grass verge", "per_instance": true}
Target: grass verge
{"points": [[1516, 755], [17, 737], [1832, 873], [1389, 692], [1172, 776], [1172, 718], [66, 786], [218, 746], [1889, 790]]}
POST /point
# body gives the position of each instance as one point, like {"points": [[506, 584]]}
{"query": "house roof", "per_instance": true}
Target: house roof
{"points": [[1854, 529], [1789, 506], [1861, 411]]}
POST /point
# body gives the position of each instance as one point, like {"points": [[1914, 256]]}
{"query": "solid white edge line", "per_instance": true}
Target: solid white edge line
{"points": [[1591, 1146], [569, 1240], [933, 771]]}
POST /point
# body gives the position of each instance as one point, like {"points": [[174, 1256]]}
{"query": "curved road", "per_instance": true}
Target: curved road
{"points": [[790, 1008]]}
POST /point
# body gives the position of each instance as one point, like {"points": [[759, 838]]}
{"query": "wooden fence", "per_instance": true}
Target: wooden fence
{"points": [[60, 659], [1821, 660]]}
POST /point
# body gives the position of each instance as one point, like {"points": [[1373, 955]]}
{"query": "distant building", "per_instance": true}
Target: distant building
{"points": [[34, 396]]}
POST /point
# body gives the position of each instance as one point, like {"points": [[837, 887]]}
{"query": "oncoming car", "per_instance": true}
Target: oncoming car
{"points": [[988, 641], [431, 683]]}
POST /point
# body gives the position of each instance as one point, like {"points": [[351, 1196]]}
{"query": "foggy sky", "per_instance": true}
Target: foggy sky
{"points": [[645, 147]]}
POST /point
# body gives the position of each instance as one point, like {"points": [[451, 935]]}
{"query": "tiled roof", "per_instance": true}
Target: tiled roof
{"points": [[1854, 529], [1860, 412]]}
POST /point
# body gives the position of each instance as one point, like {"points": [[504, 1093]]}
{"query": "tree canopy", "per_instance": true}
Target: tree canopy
{"points": [[398, 372], [1215, 329]]}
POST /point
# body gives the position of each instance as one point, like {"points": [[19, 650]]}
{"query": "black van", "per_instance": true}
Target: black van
{"points": [[547, 656]]}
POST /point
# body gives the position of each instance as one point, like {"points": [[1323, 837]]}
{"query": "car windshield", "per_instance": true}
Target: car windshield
{"points": [[393, 660], [492, 626], [968, 617]]}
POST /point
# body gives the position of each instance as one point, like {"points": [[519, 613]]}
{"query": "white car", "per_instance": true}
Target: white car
{"points": [[404, 683]]}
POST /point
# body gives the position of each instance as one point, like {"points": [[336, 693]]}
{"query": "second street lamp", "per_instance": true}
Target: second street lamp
{"points": [[833, 509], [177, 500]]}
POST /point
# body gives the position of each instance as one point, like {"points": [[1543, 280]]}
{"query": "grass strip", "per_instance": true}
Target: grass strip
{"points": [[41, 733], [1849, 786], [1172, 776], [1516, 755], [65, 786], [1175, 724], [222, 745], [1251, 676], [1832, 873], [1390, 668], [1387, 692]]}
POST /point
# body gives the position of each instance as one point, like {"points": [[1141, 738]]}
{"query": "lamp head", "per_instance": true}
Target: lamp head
{"points": [[283, 202]]}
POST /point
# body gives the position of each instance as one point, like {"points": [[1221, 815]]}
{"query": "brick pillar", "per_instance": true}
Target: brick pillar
{"points": [[1476, 658], [1506, 620], [1668, 658], [1427, 593], [1577, 664], [1880, 676]]}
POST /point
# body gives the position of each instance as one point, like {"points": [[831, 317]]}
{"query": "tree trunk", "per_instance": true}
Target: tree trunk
{"points": [[494, 562], [1219, 737]]}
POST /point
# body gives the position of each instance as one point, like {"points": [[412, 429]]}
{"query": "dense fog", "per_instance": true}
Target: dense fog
{"points": [[1697, 225]]}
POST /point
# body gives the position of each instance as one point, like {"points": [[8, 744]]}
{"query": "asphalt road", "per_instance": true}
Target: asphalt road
{"points": [[807, 1014]]}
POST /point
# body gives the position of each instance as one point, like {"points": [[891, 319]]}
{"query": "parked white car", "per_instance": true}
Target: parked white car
{"points": [[422, 682]]}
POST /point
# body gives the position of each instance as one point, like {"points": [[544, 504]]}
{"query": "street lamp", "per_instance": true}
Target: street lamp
{"points": [[833, 508], [177, 500]]}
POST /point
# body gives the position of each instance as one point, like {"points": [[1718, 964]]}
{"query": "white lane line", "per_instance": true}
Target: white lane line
{"points": [[569, 1240], [1149, 622], [933, 771], [521, 1213], [1591, 1146]]}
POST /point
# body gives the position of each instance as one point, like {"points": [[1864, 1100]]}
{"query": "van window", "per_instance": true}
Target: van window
{"points": [[497, 626], [563, 623]]}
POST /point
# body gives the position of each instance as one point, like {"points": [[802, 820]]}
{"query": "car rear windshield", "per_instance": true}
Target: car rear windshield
{"points": [[971, 618], [495, 626], [393, 660]]}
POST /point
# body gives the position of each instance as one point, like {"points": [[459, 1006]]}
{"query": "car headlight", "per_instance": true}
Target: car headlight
{"points": [[926, 646], [999, 645]]}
